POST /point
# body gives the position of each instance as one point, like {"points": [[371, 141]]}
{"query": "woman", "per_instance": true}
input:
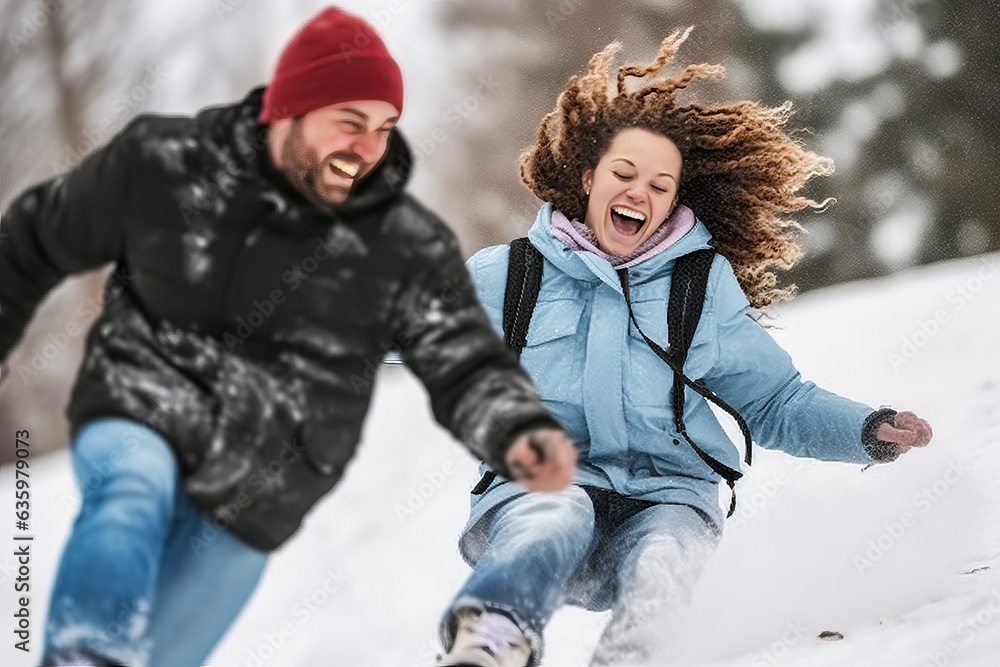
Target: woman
{"points": [[634, 530]]}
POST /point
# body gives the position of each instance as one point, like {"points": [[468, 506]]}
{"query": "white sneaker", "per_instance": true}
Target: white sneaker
{"points": [[486, 639]]}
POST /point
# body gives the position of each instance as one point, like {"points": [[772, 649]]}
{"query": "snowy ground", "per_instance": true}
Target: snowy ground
{"points": [[903, 560]]}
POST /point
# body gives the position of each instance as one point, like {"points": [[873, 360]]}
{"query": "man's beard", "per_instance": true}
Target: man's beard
{"points": [[304, 169]]}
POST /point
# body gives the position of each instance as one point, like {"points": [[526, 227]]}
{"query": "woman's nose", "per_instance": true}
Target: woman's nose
{"points": [[636, 194]]}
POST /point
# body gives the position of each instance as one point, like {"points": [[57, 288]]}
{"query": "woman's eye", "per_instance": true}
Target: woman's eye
{"points": [[622, 176], [659, 189]]}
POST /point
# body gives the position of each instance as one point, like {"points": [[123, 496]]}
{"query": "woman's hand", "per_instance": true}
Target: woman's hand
{"points": [[543, 460], [909, 431]]}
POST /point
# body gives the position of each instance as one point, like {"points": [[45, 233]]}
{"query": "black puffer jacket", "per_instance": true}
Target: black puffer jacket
{"points": [[246, 324]]}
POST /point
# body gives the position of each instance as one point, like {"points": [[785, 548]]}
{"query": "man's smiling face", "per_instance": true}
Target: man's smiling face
{"points": [[325, 152]]}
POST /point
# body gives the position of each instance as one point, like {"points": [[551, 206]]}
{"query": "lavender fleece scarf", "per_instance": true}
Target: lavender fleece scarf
{"points": [[578, 236]]}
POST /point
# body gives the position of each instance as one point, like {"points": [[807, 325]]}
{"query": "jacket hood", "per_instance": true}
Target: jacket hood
{"points": [[585, 265], [234, 128]]}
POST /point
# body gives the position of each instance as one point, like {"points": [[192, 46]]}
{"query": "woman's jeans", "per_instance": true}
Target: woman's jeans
{"points": [[540, 546], [145, 579]]}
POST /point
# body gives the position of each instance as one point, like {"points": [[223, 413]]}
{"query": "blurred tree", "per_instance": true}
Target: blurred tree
{"points": [[953, 130], [48, 79], [914, 138]]}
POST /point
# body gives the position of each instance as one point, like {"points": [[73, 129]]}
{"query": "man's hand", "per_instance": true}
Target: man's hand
{"points": [[542, 460], [910, 431]]}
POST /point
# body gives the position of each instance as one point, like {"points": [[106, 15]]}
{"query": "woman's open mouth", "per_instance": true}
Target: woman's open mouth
{"points": [[627, 221]]}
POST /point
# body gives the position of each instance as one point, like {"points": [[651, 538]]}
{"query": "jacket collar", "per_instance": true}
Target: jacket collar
{"points": [[585, 265]]}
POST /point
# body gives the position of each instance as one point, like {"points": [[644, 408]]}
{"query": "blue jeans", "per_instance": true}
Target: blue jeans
{"points": [[543, 549], [145, 579]]}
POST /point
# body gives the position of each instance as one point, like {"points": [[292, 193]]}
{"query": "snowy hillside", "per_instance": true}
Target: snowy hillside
{"points": [[902, 560]]}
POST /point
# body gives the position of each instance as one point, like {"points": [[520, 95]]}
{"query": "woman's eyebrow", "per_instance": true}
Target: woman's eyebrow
{"points": [[626, 160]]}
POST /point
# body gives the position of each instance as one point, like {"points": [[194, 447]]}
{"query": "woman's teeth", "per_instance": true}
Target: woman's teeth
{"points": [[626, 221], [629, 213]]}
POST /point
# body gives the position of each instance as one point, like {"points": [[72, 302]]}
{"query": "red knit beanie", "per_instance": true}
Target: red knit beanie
{"points": [[335, 57]]}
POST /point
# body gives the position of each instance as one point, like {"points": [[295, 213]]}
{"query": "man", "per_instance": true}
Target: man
{"points": [[266, 258]]}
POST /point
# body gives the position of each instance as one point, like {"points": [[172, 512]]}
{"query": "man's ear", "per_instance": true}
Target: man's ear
{"points": [[277, 135]]}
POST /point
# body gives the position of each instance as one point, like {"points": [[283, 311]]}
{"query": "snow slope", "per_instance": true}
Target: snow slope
{"points": [[903, 560]]}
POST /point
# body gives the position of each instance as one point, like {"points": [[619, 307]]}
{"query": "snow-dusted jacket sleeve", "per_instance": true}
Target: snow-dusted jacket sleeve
{"points": [[757, 377], [477, 387], [68, 224]]}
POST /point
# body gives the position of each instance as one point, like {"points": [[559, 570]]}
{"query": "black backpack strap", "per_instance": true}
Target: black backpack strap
{"points": [[688, 285], [483, 483], [687, 298], [524, 281]]}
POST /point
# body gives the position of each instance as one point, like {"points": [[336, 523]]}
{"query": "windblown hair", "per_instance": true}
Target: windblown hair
{"points": [[741, 172]]}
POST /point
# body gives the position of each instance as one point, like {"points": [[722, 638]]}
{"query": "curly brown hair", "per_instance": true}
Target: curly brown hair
{"points": [[741, 172]]}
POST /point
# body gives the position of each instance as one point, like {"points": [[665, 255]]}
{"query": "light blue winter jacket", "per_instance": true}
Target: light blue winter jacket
{"points": [[612, 393]]}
